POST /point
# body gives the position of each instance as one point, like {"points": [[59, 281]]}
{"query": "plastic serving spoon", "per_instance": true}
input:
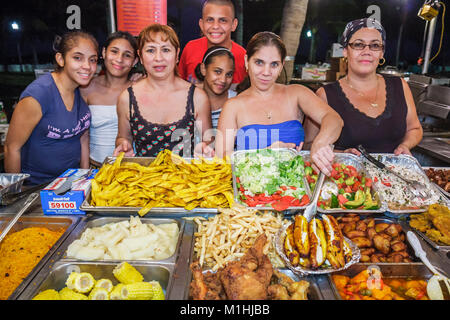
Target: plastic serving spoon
{"points": [[438, 286], [26, 205]]}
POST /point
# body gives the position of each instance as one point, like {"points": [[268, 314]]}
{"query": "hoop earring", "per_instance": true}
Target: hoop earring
{"points": [[345, 60], [381, 63]]}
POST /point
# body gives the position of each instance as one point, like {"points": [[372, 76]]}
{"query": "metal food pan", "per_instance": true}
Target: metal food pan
{"points": [[144, 161], [241, 153], [93, 222], [447, 194], [351, 159], [388, 270], [313, 291], [405, 229], [436, 245], [11, 182], [50, 222], [60, 271], [410, 163]]}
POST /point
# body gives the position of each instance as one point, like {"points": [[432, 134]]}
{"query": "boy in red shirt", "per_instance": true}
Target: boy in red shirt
{"points": [[217, 22]]}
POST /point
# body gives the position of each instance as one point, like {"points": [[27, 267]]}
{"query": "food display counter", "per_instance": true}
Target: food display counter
{"points": [[177, 274]]}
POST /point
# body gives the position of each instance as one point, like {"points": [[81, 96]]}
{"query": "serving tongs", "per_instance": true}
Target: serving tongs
{"points": [[416, 187], [10, 198], [25, 207], [438, 287]]}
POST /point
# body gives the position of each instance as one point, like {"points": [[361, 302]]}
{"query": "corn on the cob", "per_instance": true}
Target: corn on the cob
{"points": [[70, 282], [138, 291], [158, 293], [116, 293], [127, 274], [99, 294], [104, 283], [68, 294], [84, 282], [49, 294]]}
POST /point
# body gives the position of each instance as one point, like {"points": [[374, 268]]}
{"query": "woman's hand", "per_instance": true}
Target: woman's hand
{"points": [[323, 157], [202, 149], [124, 146], [402, 149]]}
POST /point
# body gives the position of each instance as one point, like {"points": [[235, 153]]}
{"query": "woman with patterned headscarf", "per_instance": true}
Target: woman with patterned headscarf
{"points": [[378, 111]]}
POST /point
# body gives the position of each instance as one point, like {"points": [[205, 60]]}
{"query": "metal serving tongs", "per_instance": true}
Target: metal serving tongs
{"points": [[311, 209], [10, 198], [438, 287], [26, 205], [417, 188]]}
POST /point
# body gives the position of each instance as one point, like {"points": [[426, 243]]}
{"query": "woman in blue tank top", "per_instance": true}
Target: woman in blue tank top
{"points": [[266, 114], [48, 132]]}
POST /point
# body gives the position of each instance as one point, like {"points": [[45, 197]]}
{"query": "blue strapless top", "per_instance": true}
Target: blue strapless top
{"points": [[260, 136]]}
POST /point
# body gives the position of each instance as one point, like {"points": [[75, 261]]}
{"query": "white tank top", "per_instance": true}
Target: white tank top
{"points": [[103, 131]]}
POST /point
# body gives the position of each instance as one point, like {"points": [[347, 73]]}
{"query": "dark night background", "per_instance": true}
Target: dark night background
{"points": [[41, 20]]}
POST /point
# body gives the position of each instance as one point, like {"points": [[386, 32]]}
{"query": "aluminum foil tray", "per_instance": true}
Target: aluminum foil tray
{"points": [[50, 222], [242, 153], [279, 244], [410, 163], [11, 182], [95, 221], [351, 159], [173, 211]]}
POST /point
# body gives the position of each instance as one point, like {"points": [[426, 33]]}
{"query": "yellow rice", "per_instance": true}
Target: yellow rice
{"points": [[20, 252]]}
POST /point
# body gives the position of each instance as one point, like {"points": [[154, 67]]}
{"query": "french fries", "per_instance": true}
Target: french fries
{"points": [[228, 235], [169, 181]]}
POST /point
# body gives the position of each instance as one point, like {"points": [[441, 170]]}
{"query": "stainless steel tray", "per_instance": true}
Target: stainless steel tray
{"points": [[241, 153], [11, 182], [93, 222], [447, 194], [57, 277], [314, 292], [145, 161], [408, 162], [351, 159], [50, 222], [435, 245], [391, 270]]}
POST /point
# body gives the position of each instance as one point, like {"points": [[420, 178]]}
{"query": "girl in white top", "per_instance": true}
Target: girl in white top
{"points": [[119, 55], [216, 73]]}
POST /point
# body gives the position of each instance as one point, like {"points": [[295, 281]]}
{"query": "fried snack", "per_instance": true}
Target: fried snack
{"points": [[434, 223], [169, 181], [318, 242], [335, 253], [289, 246], [301, 236], [226, 236]]}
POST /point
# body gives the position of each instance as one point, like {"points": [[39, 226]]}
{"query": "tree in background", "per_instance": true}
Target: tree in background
{"points": [[294, 15]]}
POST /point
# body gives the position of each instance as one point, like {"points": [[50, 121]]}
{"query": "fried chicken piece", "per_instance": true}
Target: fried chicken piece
{"points": [[199, 287], [249, 277], [278, 292], [299, 290]]}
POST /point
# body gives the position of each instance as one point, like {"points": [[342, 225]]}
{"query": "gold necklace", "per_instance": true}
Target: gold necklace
{"points": [[373, 104]]}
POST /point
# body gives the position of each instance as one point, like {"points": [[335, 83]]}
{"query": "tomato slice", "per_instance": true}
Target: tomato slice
{"points": [[296, 203], [368, 182], [284, 188], [280, 205], [294, 188], [238, 180], [307, 164], [342, 199], [287, 199], [304, 201]]}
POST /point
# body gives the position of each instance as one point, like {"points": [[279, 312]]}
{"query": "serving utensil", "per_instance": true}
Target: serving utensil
{"points": [[438, 287], [10, 198], [25, 207], [416, 187]]}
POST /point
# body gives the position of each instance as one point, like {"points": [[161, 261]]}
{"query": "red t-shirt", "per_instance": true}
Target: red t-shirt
{"points": [[193, 55]]}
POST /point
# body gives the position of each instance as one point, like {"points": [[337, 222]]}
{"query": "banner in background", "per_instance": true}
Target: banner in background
{"points": [[135, 15]]}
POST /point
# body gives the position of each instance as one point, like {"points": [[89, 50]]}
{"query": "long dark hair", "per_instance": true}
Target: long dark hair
{"points": [[120, 35], [66, 42], [259, 40], [214, 51]]}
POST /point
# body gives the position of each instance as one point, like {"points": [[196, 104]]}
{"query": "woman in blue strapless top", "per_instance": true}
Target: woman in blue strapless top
{"points": [[266, 114]]}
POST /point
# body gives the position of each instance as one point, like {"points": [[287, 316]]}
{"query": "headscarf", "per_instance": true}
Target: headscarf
{"points": [[355, 25]]}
